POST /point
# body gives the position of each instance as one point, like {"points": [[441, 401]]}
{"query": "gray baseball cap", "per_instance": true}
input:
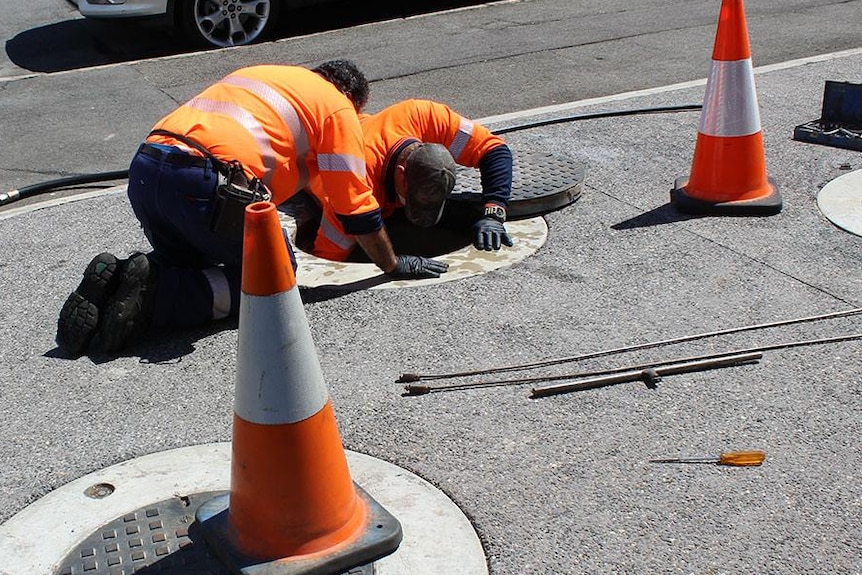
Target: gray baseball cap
{"points": [[430, 176]]}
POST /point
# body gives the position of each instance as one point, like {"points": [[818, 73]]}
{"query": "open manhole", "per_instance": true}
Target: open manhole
{"points": [[541, 183]]}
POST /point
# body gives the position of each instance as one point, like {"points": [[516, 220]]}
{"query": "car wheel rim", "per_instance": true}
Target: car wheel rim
{"points": [[231, 22]]}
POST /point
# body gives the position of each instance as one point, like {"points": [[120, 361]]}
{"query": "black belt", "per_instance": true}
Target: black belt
{"points": [[178, 157]]}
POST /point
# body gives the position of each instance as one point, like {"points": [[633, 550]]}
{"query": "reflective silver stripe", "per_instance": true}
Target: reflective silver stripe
{"points": [[335, 235], [221, 292], [730, 103], [247, 121], [341, 163], [286, 112], [462, 137], [278, 375]]}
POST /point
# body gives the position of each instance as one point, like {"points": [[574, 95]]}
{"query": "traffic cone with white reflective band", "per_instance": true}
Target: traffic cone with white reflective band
{"points": [[728, 175], [293, 504]]}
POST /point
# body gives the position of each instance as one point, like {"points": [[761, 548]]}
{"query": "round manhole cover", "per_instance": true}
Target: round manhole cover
{"points": [[541, 183], [158, 538], [103, 536]]}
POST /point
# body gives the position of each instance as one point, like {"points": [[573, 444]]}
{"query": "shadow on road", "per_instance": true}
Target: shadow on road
{"points": [[666, 214], [83, 43]]}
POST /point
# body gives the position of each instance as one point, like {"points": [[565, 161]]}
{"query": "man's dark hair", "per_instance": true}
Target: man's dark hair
{"points": [[348, 79]]}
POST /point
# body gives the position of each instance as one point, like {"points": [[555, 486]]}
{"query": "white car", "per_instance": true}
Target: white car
{"points": [[219, 23]]}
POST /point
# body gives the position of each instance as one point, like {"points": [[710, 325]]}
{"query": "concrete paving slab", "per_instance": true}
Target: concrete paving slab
{"points": [[554, 485]]}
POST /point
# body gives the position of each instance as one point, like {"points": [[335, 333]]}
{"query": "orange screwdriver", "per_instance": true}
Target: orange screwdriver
{"points": [[733, 458]]}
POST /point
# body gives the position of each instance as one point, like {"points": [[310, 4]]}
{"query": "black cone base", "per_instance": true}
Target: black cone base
{"points": [[768, 205]]}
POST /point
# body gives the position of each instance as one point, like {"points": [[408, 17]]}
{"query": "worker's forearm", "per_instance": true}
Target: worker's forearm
{"points": [[495, 168], [379, 249]]}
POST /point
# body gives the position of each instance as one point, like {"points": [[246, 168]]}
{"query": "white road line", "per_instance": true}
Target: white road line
{"points": [[558, 108]]}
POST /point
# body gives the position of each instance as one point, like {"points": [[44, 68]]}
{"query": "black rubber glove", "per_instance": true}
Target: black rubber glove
{"points": [[417, 267], [490, 235]]}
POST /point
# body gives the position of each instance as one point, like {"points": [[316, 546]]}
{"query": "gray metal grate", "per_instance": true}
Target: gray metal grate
{"points": [[159, 538]]}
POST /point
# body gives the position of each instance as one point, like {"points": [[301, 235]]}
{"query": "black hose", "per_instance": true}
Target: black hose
{"points": [[598, 115], [27, 191]]}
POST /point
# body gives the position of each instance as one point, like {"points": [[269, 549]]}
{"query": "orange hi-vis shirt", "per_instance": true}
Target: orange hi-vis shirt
{"points": [[385, 134], [426, 121], [287, 126]]}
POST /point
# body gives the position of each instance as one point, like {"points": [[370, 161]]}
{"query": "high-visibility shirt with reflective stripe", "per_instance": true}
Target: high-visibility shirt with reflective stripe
{"points": [[287, 126], [429, 122]]}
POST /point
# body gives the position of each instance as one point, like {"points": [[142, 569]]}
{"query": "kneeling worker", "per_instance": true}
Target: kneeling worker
{"points": [[411, 149], [279, 126]]}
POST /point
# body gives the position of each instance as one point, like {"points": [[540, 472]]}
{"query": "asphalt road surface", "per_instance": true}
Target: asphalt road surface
{"points": [[482, 59], [561, 485]]}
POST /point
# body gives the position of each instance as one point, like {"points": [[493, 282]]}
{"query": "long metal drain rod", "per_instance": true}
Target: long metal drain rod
{"points": [[650, 376], [412, 389], [644, 369], [413, 377]]}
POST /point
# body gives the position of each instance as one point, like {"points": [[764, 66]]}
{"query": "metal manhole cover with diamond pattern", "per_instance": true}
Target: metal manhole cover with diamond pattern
{"points": [[159, 538]]}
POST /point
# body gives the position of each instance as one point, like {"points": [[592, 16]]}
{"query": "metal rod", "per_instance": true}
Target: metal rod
{"points": [[423, 389], [637, 375], [412, 377], [712, 460]]}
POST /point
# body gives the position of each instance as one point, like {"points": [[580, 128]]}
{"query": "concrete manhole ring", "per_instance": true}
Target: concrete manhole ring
{"points": [[313, 272], [840, 201], [438, 538]]}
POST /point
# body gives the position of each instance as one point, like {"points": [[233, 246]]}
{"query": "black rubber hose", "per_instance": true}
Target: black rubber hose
{"points": [[597, 115], [27, 191]]}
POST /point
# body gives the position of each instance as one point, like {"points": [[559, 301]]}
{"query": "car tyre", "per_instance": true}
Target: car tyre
{"points": [[225, 23]]}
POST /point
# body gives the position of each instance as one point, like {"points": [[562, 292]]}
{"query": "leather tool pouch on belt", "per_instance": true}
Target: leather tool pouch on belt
{"points": [[233, 192]]}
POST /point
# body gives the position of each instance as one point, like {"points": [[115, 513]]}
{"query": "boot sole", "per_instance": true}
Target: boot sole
{"points": [[121, 316], [79, 317]]}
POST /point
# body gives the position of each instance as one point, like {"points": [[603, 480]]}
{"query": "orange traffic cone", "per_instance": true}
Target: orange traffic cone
{"points": [[728, 175], [292, 502]]}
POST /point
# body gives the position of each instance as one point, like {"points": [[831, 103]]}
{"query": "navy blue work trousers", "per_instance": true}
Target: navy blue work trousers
{"points": [[173, 194]]}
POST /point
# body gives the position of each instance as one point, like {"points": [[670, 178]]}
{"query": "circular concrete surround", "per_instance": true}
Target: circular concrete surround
{"points": [[841, 202], [438, 537], [313, 272]]}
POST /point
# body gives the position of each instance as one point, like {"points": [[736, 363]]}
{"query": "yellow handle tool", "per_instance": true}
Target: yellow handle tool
{"points": [[733, 458]]}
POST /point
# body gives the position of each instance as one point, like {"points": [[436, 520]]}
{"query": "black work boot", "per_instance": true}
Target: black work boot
{"points": [[80, 315], [128, 312]]}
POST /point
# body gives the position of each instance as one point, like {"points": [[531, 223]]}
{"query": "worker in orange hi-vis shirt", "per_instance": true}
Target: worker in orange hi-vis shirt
{"points": [[260, 133], [411, 149]]}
